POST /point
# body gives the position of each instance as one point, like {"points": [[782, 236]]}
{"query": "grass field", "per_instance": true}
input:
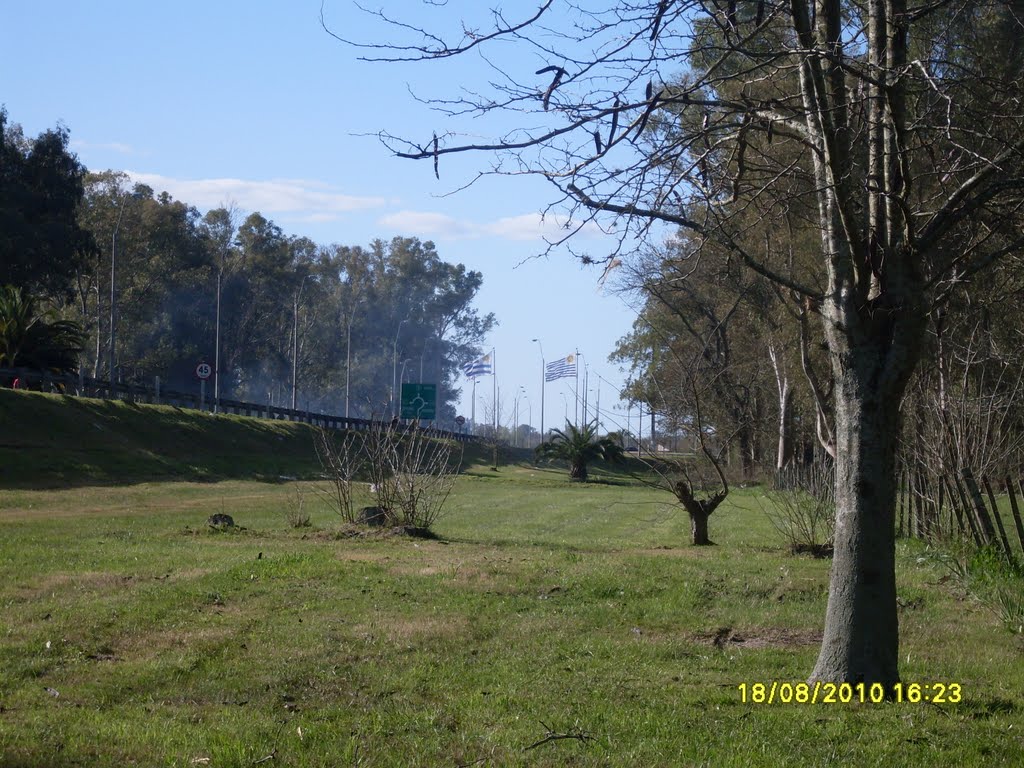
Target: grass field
{"points": [[133, 634]]}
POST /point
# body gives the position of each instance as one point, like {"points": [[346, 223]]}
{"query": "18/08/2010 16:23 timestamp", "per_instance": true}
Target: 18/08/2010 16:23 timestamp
{"points": [[845, 693]]}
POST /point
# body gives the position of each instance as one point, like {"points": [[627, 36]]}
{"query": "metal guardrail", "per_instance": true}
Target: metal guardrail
{"points": [[85, 386]]}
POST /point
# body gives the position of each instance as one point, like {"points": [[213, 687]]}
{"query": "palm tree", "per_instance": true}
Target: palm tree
{"points": [[30, 338], [580, 447]]}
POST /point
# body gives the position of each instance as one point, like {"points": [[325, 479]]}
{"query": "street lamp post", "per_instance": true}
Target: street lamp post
{"points": [[529, 407], [578, 398], [295, 341], [515, 421], [394, 366], [113, 287], [543, 378], [348, 350], [216, 343], [348, 357]]}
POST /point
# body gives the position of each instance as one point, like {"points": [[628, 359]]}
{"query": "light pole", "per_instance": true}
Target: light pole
{"points": [[394, 365], [348, 351], [577, 393], [515, 420], [113, 286], [295, 340], [529, 407], [543, 378], [216, 343]]}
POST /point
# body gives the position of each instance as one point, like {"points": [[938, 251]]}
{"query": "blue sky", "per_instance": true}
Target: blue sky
{"points": [[253, 102]]}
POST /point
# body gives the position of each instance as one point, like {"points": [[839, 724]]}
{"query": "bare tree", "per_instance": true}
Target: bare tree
{"points": [[895, 124]]}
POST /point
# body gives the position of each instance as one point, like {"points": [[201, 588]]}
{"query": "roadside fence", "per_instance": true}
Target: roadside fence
{"points": [[85, 386]]}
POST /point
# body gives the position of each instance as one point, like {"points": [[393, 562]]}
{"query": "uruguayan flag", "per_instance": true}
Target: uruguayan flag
{"points": [[560, 368], [479, 367]]}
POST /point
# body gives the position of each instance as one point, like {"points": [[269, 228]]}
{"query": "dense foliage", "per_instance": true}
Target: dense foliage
{"points": [[33, 338], [42, 242], [351, 322]]}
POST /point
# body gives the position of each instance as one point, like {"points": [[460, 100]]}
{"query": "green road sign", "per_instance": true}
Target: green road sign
{"points": [[419, 401]]}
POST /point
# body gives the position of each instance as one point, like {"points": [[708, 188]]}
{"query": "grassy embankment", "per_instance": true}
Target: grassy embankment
{"points": [[578, 608]]}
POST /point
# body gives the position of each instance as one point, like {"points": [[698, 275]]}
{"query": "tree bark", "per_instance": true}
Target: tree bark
{"points": [[699, 528], [578, 471], [784, 449], [872, 366]]}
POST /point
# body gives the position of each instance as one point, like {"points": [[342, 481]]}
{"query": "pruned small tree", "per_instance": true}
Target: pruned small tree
{"points": [[700, 497]]}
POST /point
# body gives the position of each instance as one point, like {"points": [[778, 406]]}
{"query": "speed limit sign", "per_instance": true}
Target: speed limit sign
{"points": [[204, 371]]}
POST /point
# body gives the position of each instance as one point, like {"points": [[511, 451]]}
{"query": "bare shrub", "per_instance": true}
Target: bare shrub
{"points": [[802, 509], [410, 473], [295, 513], [343, 460]]}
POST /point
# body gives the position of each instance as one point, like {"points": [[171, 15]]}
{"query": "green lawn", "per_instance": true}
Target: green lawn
{"points": [[133, 634], [544, 605]]}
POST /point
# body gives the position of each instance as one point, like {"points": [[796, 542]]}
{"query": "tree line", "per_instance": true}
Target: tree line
{"points": [[346, 325]]}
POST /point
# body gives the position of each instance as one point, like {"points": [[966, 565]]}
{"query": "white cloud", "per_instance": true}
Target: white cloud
{"points": [[424, 223], [525, 227], [313, 200], [112, 146]]}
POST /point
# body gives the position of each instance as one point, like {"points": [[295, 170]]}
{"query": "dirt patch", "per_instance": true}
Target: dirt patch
{"points": [[761, 637], [62, 581], [402, 630], [364, 557], [683, 551], [153, 644]]}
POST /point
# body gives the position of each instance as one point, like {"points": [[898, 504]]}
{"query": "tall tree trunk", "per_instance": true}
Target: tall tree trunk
{"points": [[874, 351], [861, 641]]}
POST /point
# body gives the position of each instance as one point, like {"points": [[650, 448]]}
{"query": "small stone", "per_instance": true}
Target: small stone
{"points": [[372, 516]]}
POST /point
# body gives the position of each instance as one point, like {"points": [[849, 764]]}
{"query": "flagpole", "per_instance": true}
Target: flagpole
{"points": [[543, 378], [472, 409], [577, 392], [494, 387]]}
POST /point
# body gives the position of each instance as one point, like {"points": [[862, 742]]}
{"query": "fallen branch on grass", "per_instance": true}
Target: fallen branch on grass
{"points": [[576, 733]]}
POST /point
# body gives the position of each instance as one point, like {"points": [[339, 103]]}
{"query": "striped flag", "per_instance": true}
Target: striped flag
{"points": [[557, 369], [480, 367]]}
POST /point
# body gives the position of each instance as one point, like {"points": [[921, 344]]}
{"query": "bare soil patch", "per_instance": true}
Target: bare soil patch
{"points": [[760, 637]]}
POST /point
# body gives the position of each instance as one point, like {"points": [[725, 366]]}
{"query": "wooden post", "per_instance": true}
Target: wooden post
{"points": [[984, 521], [1016, 513], [970, 513], [998, 518]]}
